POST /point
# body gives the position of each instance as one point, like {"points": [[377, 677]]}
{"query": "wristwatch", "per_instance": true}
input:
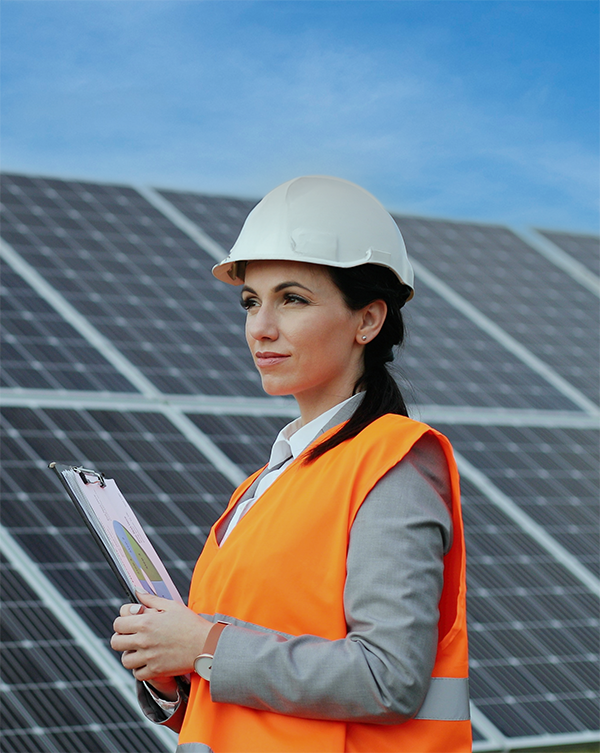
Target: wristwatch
{"points": [[203, 662]]}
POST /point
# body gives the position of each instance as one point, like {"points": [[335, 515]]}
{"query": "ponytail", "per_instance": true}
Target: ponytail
{"points": [[360, 286]]}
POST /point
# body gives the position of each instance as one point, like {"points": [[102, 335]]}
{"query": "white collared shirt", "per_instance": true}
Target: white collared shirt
{"points": [[291, 441]]}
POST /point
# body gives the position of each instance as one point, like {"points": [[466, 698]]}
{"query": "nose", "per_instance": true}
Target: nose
{"points": [[261, 324]]}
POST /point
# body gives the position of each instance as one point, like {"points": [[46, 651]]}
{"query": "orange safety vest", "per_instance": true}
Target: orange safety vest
{"points": [[284, 567]]}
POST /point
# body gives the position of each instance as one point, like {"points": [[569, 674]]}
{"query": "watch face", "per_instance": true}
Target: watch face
{"points": [[203, 665]]}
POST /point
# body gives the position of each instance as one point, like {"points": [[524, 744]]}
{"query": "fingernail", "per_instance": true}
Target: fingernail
{"points": [[136, 608], [141, 591]]}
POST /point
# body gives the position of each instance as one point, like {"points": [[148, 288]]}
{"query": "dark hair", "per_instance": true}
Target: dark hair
{"points": [[360, 286]]}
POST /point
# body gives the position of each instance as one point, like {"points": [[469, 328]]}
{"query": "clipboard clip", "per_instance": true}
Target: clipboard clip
{"points": [[85, 472]]}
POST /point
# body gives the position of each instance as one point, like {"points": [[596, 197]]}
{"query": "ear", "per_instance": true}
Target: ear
{"points": [[372, 319]]}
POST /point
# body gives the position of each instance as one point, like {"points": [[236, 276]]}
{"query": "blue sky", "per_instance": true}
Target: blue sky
{"points": [[469, 109]]}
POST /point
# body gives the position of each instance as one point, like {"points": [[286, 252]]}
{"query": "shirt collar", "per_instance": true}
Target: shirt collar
{"points": [[294, 438]]}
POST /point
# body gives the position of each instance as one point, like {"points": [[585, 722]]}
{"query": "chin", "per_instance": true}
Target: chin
{"points": [[276, 390]]}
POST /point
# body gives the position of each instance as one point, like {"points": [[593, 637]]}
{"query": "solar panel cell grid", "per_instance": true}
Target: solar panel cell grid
{"points": [[40, 350], [220, 217], [518, 288], [551, 473], [158, 277], [584, 248], [95, 736], [448, 360], [96, 598], [147, 287], [247, 440], [50, 690], [532, 625]]}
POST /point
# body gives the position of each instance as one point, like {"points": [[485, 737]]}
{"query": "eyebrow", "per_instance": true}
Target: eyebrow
{"points": [[280, 287]]}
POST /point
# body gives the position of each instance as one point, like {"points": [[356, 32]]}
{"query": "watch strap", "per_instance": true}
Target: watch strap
{"points": [[210, 644]]}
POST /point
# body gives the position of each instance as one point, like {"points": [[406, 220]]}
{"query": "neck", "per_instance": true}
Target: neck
{"points": [[309, 409]]}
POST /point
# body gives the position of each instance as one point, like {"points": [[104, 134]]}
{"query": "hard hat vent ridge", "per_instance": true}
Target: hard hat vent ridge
{"points": [[315, 244]]}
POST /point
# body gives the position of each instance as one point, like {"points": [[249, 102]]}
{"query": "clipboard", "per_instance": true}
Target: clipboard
{"points": [[117, 531]]}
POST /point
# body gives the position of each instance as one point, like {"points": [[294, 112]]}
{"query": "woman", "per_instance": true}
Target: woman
{"points": [[326, 612]]}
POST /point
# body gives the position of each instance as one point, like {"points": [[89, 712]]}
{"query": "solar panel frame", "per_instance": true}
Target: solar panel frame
{"points": [[221, 217]]}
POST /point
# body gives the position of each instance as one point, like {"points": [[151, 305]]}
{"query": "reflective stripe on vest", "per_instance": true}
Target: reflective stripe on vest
{"points": [[447, 700]]}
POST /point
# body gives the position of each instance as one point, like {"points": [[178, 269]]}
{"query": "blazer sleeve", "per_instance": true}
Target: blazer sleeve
{"points": [[380, 671]]}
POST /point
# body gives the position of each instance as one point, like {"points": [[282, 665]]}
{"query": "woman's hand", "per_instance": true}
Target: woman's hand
{"points": [[159, 640]]}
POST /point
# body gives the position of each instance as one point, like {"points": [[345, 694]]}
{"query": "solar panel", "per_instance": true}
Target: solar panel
{"points": [[221, 217], [448, 360], [165, 479], [246, 440], [516, 287], [584, 248], [40, 350], [172, 487], [532, 629], [552, 474], [144, 284], [53, 697], [138, 279]]}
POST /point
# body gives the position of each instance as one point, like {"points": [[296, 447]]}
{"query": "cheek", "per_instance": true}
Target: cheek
{"points": [[329, 340]]}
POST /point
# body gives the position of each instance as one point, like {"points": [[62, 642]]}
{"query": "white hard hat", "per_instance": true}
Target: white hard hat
{"points": [[320, 220]]}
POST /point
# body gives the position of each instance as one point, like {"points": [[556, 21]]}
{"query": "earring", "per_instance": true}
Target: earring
{"points": [[364, 337]]}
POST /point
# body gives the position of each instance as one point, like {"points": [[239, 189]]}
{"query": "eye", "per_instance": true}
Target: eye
{"points": [[248, 303], [295, 298]]}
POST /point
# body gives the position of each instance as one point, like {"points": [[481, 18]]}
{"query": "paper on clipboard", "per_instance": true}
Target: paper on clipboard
{"points": [[118, 532]]}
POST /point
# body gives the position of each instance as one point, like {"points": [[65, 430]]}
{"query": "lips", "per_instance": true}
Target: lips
{"points": [[264, 359]]}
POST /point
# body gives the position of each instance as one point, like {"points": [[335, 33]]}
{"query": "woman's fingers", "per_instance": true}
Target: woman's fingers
{"points": [[124, 642], [131, 660], [129, 622], [135, 661]]}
